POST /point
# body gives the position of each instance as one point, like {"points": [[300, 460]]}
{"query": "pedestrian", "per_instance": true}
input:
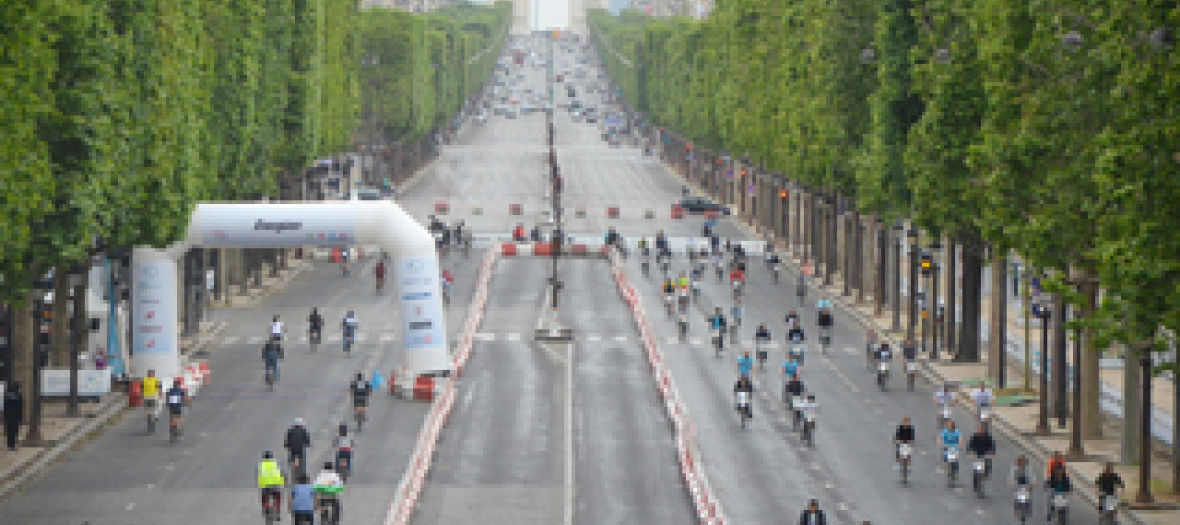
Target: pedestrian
{"points": [[14, 413]]}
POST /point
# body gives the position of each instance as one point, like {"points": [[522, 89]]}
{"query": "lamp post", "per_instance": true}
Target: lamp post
{"points": [[1044, 313]]}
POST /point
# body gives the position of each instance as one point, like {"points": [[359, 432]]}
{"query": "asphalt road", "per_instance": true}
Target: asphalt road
{"points": [[521, 447]]}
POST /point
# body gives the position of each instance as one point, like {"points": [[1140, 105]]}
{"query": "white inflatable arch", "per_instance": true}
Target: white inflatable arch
{"points": [[266, 225]]}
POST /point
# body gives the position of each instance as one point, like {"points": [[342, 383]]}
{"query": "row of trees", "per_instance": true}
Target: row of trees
{"points": [[419, 69], [121, 114], [1045, 129]]}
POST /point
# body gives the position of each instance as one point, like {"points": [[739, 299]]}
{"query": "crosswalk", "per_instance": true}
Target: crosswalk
{"points": [[487, 337]]}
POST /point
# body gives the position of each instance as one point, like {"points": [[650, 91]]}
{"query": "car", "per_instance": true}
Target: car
{"points": [[701, 205]]}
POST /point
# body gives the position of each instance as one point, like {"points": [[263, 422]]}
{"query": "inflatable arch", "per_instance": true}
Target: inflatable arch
{"points": [[265, 225]]}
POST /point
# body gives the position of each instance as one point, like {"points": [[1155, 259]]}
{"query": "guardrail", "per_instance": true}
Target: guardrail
{"points": [[405, 500], [704, 500]]}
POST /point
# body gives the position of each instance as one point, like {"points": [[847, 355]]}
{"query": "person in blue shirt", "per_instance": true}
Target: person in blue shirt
{"points": [[744, 364], [302, 501], [950, 436], [790, 367]]}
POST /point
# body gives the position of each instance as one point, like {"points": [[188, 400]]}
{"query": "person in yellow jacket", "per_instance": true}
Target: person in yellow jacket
{"points": [[151, 398], [270, 482]]}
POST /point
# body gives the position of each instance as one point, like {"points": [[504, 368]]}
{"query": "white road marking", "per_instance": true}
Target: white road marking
{"points": [[569, 435]]}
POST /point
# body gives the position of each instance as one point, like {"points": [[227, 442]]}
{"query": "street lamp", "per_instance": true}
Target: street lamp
{"points": [[1044, 313]]}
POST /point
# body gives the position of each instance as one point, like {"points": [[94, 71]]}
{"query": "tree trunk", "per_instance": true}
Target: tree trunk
{"points": [[952, 303], [24, 339], [999, 317], [1091, 355], [1129, 451], [972, 290], [59, 350]]}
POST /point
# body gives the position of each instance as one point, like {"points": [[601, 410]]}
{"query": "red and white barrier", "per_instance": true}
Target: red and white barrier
{"points": [[406, 498], [701, 493]]}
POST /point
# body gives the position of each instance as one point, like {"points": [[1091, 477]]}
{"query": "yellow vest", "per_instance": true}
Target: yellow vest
{"points": [[151, 386], [269, 474]]}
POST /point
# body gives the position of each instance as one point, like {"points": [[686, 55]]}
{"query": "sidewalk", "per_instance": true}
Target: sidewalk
{"points": [[62, 433]]}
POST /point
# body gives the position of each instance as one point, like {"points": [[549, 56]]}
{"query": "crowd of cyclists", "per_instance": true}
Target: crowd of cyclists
{"points": [[680, 289]]}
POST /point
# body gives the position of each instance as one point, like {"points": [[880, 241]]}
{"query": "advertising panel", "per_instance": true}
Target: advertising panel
{"points": [[422, 319], [275, 226]]}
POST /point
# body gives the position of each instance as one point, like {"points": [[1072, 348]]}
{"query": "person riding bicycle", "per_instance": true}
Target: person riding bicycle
{"points": [[949, 436], [812, 515], [717, 322], [983, 446], [903, 435], [277, 330], [176, 399], [302, 501], [297, 441], [151, 392], [736, 312], [343, 444], [744, 365], [349, 325], [328, 486], [361, 389], [272, 351], [315, 325], [744, 384], [379, 272], [270, 482]]}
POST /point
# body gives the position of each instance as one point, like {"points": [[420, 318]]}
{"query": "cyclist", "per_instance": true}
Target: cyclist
{"points": [[379, 272], [812, 515], [328, 486], [315, 326], [1108, 482], [1058, 484], [177, 399], [761, 339], [744, 365], [949, 436], [151, 393], [744, 384], [871, 343], [297, 441], [302, 501], [361, 389], [270, 482], [984, 447], [272, 351], [903, 435], [942, 402], [277, 330], [349, 325], [825, 322], [717, 323], [343, 445], [791, 318]]}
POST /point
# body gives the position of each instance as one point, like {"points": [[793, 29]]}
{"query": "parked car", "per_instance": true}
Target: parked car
{"points": [[701, 205]]}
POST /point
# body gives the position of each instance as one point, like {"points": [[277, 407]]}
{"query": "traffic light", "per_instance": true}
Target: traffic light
{"points": [[927, 263]]}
